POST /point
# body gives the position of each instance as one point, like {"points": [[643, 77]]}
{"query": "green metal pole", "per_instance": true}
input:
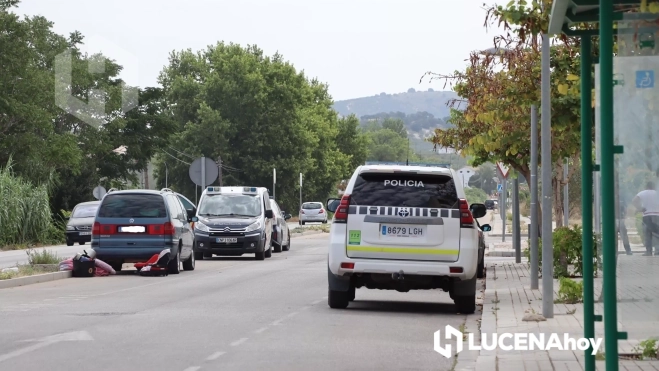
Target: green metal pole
{"points": [[587, 198], [608, 197]]}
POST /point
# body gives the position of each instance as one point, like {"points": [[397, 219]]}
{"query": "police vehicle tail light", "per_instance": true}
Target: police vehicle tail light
{"points": [[455, 269], [466, 219], [348, 265], [341, 214]]}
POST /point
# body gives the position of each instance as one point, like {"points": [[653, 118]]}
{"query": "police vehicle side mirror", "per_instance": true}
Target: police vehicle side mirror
{"points": [[478, 210], [486, 228], [288, 216], [194, 219], [332, 204], [268, 214]]}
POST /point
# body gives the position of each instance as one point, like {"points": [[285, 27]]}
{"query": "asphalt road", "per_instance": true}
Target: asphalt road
{"points": [[228, 314], [12, 258]]}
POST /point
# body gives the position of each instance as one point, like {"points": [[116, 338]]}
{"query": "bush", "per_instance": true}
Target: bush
{"points": [[567, 240], [570, 291], [24, 210], [475, 195]]}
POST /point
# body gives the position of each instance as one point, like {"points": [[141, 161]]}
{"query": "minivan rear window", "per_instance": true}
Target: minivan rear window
{"points": [[405, 190], [133, 206], [312, 206]]}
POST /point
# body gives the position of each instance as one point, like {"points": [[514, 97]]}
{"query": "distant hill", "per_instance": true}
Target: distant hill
{"points": [[411, 102]]}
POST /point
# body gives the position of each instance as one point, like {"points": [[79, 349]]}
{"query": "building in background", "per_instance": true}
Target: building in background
{"points": [[465, 174]]}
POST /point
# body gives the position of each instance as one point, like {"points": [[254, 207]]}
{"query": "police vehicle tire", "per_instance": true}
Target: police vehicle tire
{"points": [[277, 247], [351, 293], [287, 247], [465, 304], [198, 255], [338, 299], [480, 271], [268, 252]]}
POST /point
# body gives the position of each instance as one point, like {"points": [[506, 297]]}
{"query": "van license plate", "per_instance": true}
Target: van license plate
{"points": [[226, 240], [402, 230]]}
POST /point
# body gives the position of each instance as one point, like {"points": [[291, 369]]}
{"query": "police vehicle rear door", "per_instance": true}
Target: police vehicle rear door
{"points": [[404, 215]]}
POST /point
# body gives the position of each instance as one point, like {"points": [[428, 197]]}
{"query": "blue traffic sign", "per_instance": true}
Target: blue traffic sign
{"points": [[500, 188], [645, 79]]}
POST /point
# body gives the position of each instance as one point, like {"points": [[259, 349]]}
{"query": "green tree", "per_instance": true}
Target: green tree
{"points": [[352, 141], [256, 113]]}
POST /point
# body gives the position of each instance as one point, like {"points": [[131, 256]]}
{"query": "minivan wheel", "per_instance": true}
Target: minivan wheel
{"points": [[465, 304], [338, 299], [69, 243], [189, 264], [175, 264]]}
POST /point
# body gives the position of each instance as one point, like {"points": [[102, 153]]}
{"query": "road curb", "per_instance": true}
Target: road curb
{"points": [[30, 280], [307, 233]]}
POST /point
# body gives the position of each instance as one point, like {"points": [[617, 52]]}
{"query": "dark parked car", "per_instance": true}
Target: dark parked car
{"points": [[491, 204], [79, 225], [133, 225]]}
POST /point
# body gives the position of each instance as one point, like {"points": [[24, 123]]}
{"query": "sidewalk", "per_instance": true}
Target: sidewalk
{"points": [[507, 300]]}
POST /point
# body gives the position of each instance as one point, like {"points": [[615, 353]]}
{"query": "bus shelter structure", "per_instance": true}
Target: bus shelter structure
{"points": [[626, 153]]}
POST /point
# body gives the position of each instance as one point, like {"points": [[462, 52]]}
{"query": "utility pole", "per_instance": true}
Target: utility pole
{"points": [[545, 138], [219, 169], [274, 183], [146, 177], [534, 198]]}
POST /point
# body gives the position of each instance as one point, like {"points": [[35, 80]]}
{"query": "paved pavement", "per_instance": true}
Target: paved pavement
{"points": [[508, 299], [228, 314], [14, 257]]}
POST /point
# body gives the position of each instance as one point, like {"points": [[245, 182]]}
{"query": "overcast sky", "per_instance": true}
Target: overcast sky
{"points": [[359, 47]]}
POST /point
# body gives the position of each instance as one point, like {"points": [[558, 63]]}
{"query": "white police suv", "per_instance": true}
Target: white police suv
{"points": [[405, 228]]}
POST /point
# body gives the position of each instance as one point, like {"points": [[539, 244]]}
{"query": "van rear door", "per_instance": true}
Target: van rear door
{"points": [[404, 216]]}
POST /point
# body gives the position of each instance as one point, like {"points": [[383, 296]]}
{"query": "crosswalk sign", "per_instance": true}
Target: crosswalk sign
{"points": [[500, 188]]}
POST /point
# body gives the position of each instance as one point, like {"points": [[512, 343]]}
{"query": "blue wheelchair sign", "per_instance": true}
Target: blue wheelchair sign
{"points": [[645, 79]]}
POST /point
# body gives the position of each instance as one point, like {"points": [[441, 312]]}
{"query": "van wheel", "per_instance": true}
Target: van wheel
{"points": [[259, 255], [189, 264], [338, 299], [465, 304], [277, 247], [175, 264], [268, 252], [199, 256], [69, 243], [288, 245]]}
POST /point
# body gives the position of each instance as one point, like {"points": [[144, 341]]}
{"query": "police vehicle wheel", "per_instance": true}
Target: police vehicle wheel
{"points": [[268, 252], [351, 293], [189, 264], [175, 264], [465, 304], [277, 247], [480, 271], [338, 299], [199, 256]]}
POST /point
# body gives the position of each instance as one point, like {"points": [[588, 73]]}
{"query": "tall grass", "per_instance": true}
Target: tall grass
{"points": [[24, 210]]}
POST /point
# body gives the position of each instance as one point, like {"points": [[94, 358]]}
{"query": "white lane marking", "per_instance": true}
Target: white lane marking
{"points": [[316, 302], [305, 308], [262, 329], [238, 342], [277, 322], [193, 368], [215, 356], [292, 314]]}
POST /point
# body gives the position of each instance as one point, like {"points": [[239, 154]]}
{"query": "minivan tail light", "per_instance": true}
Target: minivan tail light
{"points": [[341, 214], [96, 229], [169, 228], [466, 218]]}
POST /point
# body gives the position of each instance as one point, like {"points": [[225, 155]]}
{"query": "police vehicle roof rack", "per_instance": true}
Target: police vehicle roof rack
{"points": [[448, 166], [166, 190]]}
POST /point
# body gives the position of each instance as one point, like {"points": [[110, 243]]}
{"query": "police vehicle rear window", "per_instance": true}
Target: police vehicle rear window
{"points": [[409, 190], [132, 206]]}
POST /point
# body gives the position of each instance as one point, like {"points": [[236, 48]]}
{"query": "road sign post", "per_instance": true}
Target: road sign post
{"points": [[300, 192], [203, 172], [274, 183]]}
